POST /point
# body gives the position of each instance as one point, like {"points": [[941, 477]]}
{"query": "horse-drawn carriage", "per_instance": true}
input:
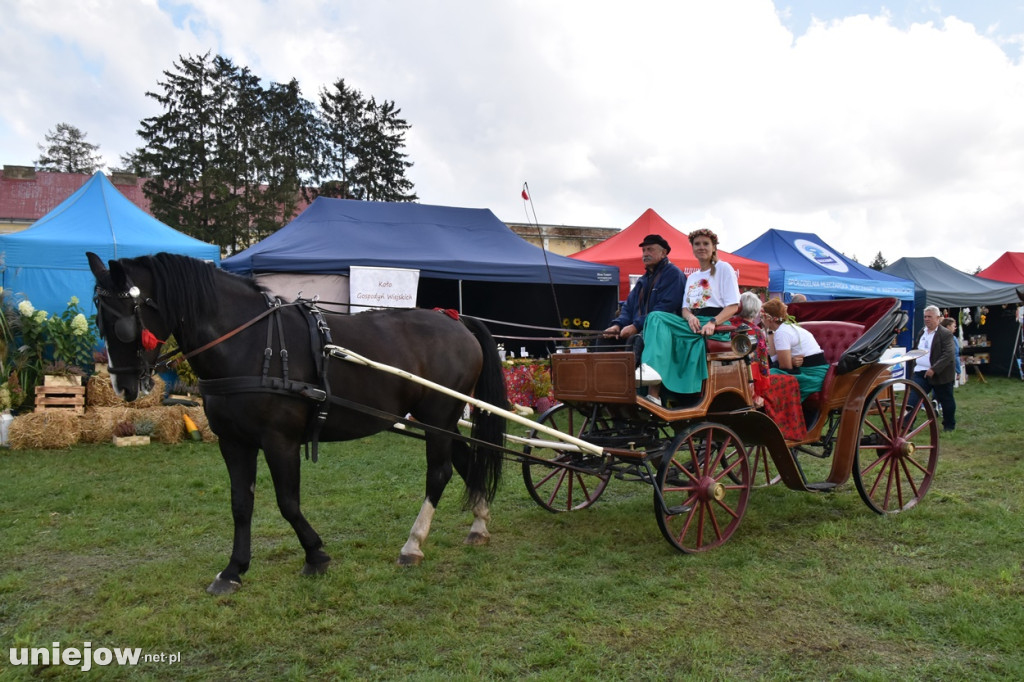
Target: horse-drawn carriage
{"points": [[275, 375], [703, 458]]}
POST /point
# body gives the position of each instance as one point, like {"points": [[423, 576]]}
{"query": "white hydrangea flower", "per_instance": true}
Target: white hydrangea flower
{"points": [[79, 325], [73, 301], [26, 309], [39, 316]]}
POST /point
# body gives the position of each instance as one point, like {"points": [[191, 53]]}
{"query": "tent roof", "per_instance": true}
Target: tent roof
{"points": [[621, 250], [1007, 268], [945, 286], [46, 262], [96, 218], [440, 241], [800, 262]]}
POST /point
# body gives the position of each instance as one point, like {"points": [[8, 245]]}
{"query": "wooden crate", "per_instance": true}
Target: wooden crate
{"points": [[60, 398]]}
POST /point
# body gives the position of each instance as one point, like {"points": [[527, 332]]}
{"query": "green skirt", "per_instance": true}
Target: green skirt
{"points": [[676, 352], [809, 378]]}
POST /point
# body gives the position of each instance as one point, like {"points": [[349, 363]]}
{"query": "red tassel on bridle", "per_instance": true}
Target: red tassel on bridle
{"points": [[150, 342]]}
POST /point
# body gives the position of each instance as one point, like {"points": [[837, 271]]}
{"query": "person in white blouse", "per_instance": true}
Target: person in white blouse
{"points": [[794, 349]]}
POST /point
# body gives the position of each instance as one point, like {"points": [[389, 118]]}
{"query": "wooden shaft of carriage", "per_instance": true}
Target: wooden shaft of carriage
{"points": [[351, 356]]}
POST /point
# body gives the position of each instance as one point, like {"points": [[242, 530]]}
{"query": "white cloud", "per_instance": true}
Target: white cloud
{"points": [[892, 131]]}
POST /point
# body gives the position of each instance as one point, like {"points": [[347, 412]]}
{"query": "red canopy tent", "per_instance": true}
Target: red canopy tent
{"points": [[1007, 268], [623, 251]]}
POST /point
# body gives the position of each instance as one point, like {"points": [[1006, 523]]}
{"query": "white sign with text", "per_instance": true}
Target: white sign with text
{"points": [[371, 288]]}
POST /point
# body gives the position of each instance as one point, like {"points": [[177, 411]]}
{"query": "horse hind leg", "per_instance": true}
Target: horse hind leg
{"points": [[439, 472], [412, 550], [478, 534]]}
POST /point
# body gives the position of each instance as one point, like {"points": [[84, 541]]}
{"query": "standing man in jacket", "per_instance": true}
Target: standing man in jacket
{"points": [[935, 371], [659, 288]]}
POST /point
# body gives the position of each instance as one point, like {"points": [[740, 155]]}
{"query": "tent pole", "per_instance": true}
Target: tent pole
{"points": [[1016, 350], [461, 311]]}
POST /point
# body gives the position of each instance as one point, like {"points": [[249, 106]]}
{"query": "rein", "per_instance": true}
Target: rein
{"points": [[162, 360]]}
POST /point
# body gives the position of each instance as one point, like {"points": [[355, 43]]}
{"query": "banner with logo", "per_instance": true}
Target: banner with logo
{"points": [[372, 288]]}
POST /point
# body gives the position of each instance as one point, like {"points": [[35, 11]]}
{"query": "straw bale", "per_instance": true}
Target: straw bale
{"points": [[101, 394], [199, 417], [52, 429], [97, 424]]}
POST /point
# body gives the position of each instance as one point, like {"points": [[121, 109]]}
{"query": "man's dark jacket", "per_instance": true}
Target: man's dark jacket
{"points": [[657, 289], [942, 355]]}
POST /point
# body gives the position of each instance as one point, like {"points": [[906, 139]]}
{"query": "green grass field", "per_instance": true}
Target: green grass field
{"points": [[114, 546]]}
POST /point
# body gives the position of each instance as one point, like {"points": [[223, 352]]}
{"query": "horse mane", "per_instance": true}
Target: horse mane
{"points": [[187, 288]]}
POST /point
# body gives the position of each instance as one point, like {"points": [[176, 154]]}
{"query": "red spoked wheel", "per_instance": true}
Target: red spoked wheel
{"points": [[573, 480], [762, 469], [898, 448], [702, 489]]}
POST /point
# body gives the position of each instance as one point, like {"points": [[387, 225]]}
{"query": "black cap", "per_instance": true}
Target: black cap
{"points": [[656, 239]]}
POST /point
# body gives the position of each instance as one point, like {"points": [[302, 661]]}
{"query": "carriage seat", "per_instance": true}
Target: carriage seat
{"points": [[834, 337]]}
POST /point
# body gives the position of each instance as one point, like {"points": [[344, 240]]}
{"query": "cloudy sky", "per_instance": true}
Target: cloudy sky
{"points": [[895, 127]]}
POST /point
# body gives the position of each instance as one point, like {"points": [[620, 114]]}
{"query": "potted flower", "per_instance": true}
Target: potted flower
{"points": [[100, 361], [60, 373], [126, 433]]}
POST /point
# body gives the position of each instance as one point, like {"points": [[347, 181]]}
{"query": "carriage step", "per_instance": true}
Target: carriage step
{"points": [[823, 486]]}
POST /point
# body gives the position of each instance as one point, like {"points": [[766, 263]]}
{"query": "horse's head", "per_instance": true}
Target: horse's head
{"points": [[125, 315]]}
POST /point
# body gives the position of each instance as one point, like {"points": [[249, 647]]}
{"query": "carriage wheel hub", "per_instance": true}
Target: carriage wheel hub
{"points": [[907, 448], [712, 489]]}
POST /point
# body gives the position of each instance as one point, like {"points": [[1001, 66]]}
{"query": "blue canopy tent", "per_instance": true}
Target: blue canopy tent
{"points": [[800, 263], [46, 263], [467, 259]]}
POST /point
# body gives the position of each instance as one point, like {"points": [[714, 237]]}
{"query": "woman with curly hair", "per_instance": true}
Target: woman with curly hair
{"points": [[794, 349], [675, 345]]}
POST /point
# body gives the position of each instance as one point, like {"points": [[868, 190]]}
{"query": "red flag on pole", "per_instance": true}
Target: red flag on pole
{"points": [[526, 197]]}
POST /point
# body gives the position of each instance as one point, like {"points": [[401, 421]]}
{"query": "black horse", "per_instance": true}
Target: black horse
{"points": [[267, 385]]}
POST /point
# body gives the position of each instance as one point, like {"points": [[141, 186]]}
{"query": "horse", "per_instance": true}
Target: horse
{"points": [[268, 384]]}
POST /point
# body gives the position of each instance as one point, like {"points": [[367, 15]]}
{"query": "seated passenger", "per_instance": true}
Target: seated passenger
{"points": [[793, 349], [777, 394], [659, 288], [675, 346]]}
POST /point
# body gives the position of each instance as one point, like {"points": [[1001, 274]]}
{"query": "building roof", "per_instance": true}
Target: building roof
{"points": [[26, 195]]}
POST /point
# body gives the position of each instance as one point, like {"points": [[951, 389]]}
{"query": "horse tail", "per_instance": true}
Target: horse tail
{"points": [[485, 463]]}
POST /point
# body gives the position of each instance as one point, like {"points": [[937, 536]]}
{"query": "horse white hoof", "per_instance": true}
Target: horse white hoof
{"points": [[477, 539]]}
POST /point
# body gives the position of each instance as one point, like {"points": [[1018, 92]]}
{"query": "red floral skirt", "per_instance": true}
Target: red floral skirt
{"points": [[782, 403]]}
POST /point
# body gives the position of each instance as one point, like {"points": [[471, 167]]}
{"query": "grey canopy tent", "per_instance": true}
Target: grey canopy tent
{"points": [[939, 284]]}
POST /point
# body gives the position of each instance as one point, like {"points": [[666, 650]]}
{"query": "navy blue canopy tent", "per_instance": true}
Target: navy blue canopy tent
{"points": [[467, 259], [46, 263]]}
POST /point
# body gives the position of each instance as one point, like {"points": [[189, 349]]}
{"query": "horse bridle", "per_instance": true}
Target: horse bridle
{"points": [[127, 328]]}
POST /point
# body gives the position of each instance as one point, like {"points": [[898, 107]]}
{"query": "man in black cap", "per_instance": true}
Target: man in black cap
{"points": [[659, 288]]}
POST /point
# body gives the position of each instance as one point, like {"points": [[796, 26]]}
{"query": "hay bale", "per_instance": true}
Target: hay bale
{"points": [[168, 424], [97, 424], [199, 417], [100, 393], [52, 429]]}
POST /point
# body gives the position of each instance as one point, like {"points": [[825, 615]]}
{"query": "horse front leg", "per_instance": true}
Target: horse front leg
{"points": [[284, 462], [241, 462]]}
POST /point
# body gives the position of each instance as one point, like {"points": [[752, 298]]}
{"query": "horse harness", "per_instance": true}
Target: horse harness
{"points": [[128, 328], [319, 394]]}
